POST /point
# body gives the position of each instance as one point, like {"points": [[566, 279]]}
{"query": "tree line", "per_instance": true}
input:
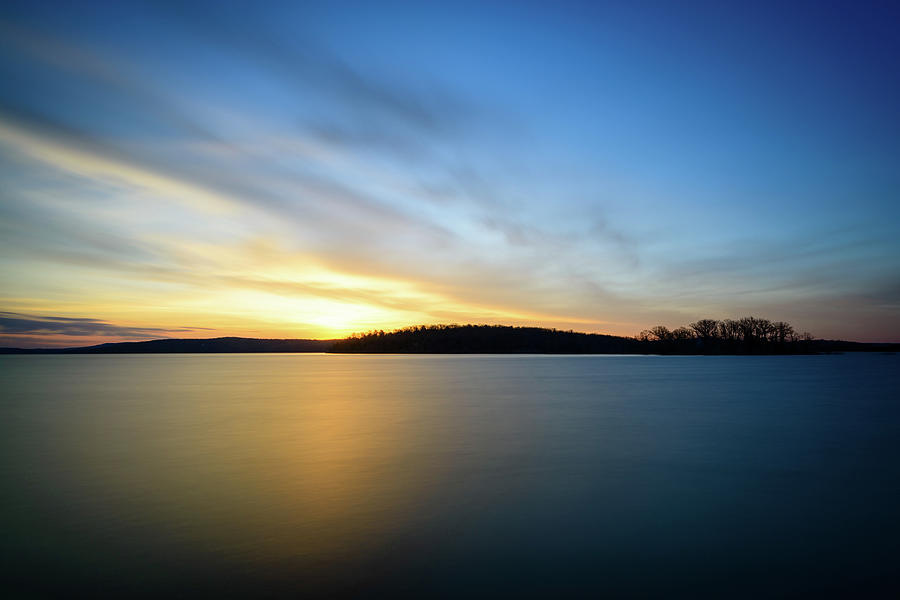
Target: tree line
{"points": [[747, 334]]}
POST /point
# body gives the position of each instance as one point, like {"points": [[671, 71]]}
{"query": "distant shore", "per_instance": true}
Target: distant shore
{"points": [[472, 339]]}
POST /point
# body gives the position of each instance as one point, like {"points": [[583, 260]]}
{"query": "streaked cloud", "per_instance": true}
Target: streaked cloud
{"points": [[16, 324], [287, 172]]}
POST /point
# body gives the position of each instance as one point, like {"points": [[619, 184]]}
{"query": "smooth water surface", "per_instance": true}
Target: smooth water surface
{"points": [[303, 475]]}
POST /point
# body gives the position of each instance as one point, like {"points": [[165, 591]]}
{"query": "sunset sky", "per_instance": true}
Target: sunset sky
{"points": [[299, 169]]}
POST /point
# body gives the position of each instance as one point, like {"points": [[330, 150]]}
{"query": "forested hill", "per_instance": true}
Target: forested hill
{"points": [[756, 337], [487, 339]]}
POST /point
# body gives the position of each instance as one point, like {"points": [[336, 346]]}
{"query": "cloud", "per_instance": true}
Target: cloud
{"points": [[105, 72], [358, 210], [18, 324], [304, 64], [147, 179], [373, 116], [815, 263], [67, 148]]}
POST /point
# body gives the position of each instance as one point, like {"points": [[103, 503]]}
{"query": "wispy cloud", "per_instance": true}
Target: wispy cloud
{"points": [[262, 172], [17, 324]]}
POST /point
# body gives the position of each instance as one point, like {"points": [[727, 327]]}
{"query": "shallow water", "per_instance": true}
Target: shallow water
{"points": [[284, 475]]}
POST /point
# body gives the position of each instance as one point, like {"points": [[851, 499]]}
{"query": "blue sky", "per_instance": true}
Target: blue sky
{"points": [[310, 170]]}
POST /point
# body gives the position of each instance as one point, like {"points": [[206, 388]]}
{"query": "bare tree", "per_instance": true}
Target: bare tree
{"points": [[729, 330], [763, 329], [746, 329], [783, 332], [661, 333], [747, 334], [706, 328], [682, 333]]}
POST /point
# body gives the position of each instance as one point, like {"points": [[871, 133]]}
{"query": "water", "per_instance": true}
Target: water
{"points": [[307, 475]]}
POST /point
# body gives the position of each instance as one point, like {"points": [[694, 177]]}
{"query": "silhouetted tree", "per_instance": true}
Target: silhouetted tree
{"points": [[783, 332], [661, 333], [748, 335], [763, 329], [682, 333], [746, 328], [729, 330], [705, 329]]}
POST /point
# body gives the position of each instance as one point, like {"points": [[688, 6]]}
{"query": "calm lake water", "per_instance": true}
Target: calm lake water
{"points": [[303, 475]]}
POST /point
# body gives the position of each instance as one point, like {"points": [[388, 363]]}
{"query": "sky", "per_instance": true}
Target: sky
{"points": [[310, 170]]}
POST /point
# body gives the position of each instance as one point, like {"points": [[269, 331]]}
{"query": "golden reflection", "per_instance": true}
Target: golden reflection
{"points": [[304, 463]]}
